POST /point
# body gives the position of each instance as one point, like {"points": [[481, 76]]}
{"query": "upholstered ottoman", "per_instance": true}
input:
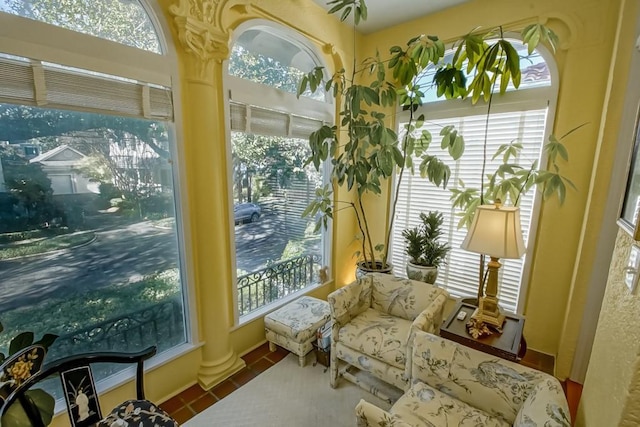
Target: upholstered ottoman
{"points": [[294, 326]]}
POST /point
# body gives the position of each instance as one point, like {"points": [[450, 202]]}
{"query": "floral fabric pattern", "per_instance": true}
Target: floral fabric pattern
{"points": [[138, 413], [19, 368], [373, 322], [423, 405], [379, 335], [389, 373], [294, 326], [458, 386]]}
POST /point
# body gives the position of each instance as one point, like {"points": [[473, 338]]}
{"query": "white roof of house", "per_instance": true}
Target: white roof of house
{"points": [[62, 155]]}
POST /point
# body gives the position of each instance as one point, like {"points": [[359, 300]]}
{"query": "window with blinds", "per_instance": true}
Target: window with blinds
{"points": [[86, 169], [32, 82], [460, 273], [278, 251]]}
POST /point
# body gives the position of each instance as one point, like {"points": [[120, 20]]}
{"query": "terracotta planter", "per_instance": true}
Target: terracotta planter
{"points": [[363, 269], [422, 273]]}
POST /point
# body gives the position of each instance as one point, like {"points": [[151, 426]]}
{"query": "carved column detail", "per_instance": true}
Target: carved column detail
{"points": [[204, 45], [200, 31]]}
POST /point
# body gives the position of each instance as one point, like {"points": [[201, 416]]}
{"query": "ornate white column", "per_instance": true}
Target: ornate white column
{"points": [[205, 46]]}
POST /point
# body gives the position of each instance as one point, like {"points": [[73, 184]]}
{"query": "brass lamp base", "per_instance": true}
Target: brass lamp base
{"points": [[486, 319], [489, 312]]}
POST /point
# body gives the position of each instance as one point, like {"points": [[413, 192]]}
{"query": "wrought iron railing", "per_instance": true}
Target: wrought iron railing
{"points": [[161, 325], [265, 286]]}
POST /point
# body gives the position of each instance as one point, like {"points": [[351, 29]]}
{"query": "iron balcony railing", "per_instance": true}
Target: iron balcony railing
{"points": [[161, 325], [276, 281]]}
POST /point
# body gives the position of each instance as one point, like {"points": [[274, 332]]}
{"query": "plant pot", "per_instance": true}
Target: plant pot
{"points": [[363, 268], [422, 273]]}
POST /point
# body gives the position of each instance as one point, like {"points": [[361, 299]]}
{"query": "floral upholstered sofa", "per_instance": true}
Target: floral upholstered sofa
{"points": [[457, 386], [374, 320]]}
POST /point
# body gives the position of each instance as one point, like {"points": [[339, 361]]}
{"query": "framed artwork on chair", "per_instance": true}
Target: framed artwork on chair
{"points": [[81, 397]]}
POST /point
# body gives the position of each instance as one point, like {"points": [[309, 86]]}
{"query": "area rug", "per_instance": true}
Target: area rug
{"points": [[287, 395]]}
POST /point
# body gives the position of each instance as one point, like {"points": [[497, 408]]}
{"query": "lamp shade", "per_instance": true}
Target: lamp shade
{"points": [[495, 231]]}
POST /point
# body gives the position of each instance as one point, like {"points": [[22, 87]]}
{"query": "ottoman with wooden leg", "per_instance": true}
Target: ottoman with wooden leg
{"points": [[294, 325]]}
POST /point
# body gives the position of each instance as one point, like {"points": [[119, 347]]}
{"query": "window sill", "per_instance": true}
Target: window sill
{"points": [[116, 380]]}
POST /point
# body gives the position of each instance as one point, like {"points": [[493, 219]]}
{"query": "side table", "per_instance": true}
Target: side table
{"points": [[510, 344], [323, 355]]}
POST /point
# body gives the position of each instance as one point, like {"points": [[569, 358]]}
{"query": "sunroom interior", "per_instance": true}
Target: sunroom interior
{"points": [[173, 100]]}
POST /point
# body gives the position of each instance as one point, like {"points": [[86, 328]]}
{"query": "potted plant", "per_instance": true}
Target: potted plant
{"points": [[424, 248], [364, 151]]}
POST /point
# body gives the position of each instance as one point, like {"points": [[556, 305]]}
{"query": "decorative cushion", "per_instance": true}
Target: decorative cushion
{"points": [[300, 319], [138, 413], [497, 386], [401, 297], [545, 399], [423, 405], [379, 335]]}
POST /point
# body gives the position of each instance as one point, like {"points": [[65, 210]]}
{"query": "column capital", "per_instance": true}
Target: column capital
{"points": [[200, 30]]}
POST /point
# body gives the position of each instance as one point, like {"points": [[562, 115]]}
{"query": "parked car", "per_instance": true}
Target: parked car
{"points": [[246, 212]]}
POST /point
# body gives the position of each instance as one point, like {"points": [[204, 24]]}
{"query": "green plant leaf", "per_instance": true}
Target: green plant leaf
{"points": [[16, 417], [20, 341], [47, 340]]}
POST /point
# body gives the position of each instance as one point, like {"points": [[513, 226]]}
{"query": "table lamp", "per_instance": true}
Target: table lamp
{"points": [[495, 231]]}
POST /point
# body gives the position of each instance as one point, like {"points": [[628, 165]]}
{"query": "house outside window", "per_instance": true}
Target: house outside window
{"points": [[524, 115], [278, 252], [89, 242]]}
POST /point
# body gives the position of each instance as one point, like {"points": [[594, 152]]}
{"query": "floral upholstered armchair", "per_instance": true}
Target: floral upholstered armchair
{"points": [[374, 321], [457, 386]]}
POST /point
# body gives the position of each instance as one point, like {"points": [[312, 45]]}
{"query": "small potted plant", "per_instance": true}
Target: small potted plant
{"points": [[424, 249]]}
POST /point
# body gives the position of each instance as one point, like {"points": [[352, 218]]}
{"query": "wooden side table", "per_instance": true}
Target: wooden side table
{"points": [[510, 344]]}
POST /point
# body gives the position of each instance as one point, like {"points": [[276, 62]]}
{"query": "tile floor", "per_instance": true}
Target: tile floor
{"points": [[194, 400]]}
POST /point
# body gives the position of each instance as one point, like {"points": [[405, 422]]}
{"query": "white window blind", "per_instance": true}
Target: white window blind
{"points": [[263, 121], [460, 274], [31, 82]]}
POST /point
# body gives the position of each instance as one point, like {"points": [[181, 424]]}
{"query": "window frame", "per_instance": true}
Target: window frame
{"points": [[264, 96], [29, 38], [521, 99]]}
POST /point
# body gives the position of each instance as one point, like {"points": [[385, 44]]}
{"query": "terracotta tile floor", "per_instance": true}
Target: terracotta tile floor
{"points": [[194, 400]]}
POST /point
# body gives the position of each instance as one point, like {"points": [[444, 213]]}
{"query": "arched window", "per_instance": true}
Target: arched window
{"points": [[88, 236], [125, 22], [524, 115], [278, 252]]}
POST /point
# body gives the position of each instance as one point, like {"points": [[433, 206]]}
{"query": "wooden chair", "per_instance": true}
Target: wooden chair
{"points": [[80, 392]]}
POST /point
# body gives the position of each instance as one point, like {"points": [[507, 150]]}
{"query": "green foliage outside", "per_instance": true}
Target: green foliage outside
{"points": [[42, 245], [65, 315], [124, 22], [17, 236], [294, 249], [264, 70]]}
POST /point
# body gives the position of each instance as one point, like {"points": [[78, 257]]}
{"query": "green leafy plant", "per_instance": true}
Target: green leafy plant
{"points": [[15, 416], [423, 242], [364, 151]]}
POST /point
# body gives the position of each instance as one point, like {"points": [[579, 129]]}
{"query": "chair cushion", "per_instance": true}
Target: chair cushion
{"points": [[300, 319], [422, 405], [379, 335], [401, 297], [138, 413]]}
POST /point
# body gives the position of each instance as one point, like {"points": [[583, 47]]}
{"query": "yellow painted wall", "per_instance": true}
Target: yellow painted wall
{"points": [[611, 396], [587, 30]]}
